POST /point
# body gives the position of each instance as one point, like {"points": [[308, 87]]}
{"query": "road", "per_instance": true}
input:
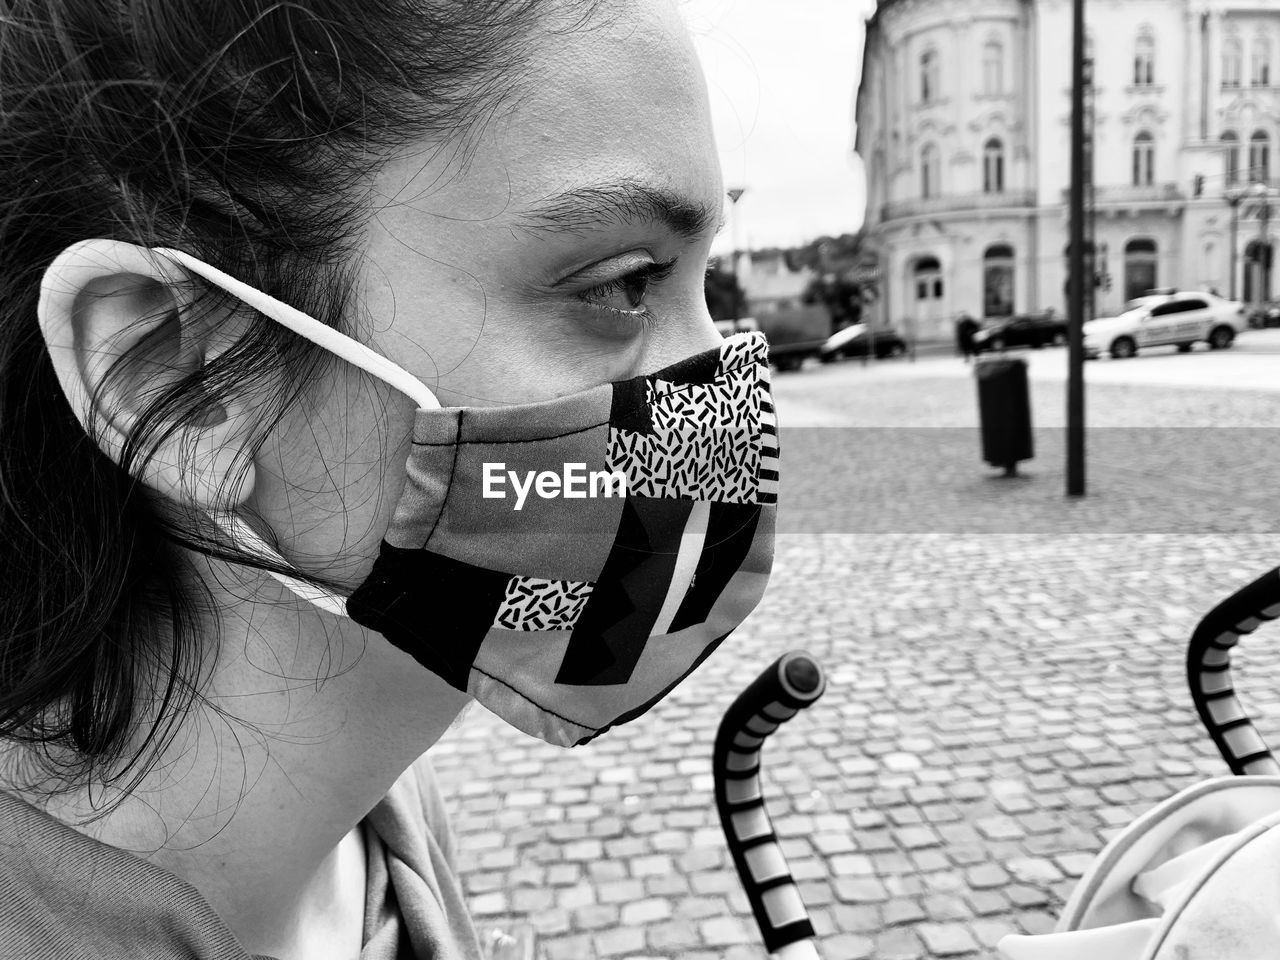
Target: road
{"points": [[1252, 364], [1005, 665]]}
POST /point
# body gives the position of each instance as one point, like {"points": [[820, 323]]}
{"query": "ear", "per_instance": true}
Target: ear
{"points": [[105, 304]]}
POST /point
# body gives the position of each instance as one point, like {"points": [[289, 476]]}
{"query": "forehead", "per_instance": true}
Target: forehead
{"points": [[619, 95]]}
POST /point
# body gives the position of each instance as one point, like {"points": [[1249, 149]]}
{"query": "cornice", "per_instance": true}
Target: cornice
{"points": [[1248, 109], [1145, 113], [957, 14]]}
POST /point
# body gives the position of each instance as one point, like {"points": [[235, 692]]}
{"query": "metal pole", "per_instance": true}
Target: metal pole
{"points": [[735, 194], [1235, 229], [1091, 200], [1075, 296], [1264, 274]]}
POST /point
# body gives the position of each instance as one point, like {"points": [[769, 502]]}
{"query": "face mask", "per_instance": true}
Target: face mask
{"points": [[567, 563]]}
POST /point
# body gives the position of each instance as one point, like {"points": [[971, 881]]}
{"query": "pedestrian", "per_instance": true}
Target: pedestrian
{"points": [[966, 327], [250, 250]]}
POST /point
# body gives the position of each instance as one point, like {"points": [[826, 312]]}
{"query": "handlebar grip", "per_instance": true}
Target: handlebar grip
{"points": [[791, 683], [1209, 673]]}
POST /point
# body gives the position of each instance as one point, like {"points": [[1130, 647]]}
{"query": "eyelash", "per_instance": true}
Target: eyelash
{"points": [[649, 274]]}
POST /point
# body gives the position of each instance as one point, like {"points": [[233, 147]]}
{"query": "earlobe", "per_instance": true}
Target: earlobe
{"points": [[120, 329]]}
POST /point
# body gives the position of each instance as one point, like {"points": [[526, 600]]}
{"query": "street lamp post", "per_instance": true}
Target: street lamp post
{"points": [[1076, 291], [1264, 246], [1235, 196], [735, 194], [1233, 200]]}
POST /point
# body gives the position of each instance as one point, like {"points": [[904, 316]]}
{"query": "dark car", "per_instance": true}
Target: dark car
{"points": [[1021, 331], [853, 341], [1265, 314]]}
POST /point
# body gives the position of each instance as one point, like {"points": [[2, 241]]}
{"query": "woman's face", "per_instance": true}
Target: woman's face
{"points": [[564, 248]]}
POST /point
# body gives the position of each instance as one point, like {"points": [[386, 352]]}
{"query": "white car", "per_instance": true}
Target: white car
{"points": [[1166, 319]]}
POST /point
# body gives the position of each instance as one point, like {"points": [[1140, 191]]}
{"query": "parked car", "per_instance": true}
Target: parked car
{"points": [[1265, 315], [1166, 319], [854, 341], [1021, 331]]}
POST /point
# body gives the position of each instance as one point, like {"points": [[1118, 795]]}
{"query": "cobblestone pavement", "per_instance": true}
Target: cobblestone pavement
{"points": [[1005, 687]]}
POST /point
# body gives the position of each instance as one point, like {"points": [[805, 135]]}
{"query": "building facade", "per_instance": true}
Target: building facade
{"points": [[963, 127]]}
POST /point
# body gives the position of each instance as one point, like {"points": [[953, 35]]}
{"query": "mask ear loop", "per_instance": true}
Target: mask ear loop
{"points": [[353, 351], [328, 339]]}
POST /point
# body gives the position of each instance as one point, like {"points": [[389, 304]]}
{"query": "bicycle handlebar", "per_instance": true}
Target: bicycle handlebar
{"points": [[791, 683], [1209, 673]]}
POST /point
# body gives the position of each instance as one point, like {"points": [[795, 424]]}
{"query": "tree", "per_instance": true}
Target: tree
{"points": [[725, 297], [841, 297]]}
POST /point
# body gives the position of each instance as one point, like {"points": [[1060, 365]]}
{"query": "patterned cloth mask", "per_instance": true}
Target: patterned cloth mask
{"points": [[567, 563]]}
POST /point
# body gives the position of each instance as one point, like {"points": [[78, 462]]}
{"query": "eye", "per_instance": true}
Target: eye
{"points": [[626, 294]]}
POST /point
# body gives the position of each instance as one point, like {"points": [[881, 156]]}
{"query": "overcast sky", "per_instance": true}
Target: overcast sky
{"points": [[782, 78]]}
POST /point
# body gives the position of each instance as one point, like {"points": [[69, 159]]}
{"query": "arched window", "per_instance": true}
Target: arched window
{"points": [[1231, 66], [997, 281], [930, 171], [1144, 62], [930, 79], [1139, 267], [1261, 62], [1259, 157], [993, 68], [1258, 257], [993, 166], [1144, 160], [1231, 157], [928, 279]]}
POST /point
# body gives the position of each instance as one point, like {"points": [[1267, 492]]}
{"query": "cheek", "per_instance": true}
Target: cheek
{"points": [[330, 474], [526, 355]]}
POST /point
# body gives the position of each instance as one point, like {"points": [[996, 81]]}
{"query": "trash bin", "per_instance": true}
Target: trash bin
{"points": [[1004, 408]]}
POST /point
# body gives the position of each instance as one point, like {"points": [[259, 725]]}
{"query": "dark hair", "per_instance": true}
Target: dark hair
{"points": [[243, 132]]}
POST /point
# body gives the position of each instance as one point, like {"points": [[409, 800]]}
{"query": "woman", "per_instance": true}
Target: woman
{"points": [[506, 201]]}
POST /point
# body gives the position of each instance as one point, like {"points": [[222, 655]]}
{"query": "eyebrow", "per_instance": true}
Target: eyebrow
{"points": [[621, 202]]}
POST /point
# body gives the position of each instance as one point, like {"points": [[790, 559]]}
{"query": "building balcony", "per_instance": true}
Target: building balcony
{"points": [[1156, 193], [957, 202]]}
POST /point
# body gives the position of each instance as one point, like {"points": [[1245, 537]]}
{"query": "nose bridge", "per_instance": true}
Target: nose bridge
{"points": [[680, 340]]}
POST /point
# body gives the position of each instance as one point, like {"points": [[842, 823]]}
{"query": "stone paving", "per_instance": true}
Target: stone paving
{"points": [[1005, 689]]}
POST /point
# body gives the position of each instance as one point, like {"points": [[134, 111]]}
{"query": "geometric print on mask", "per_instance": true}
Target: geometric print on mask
{"points": [[702, 440], [734, 353], [573, 615], [535, 603]]}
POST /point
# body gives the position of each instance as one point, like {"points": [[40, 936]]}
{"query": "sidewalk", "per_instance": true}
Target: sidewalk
{"points": [[1005, 689]]}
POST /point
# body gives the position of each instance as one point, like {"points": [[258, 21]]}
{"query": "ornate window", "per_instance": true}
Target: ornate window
{"points": [[1231, 158], [930, 171], [1261, 62], [1140, 256], [1144, 61], [993, 68], [993, 166], [1144, 160], [930, 80], [1232, 56], [1259, 157]]}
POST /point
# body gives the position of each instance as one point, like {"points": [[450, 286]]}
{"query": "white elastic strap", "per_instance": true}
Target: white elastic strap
{"points": [[247, 537], [353, 351]]}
